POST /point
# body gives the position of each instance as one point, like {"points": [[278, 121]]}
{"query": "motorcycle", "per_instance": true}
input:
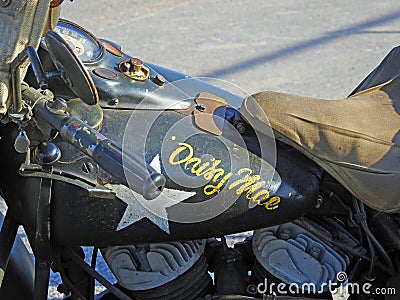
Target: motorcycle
{"points": [[154, 168]]}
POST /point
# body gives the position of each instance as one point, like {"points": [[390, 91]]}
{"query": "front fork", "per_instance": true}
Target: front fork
{"points": [[17, 271]]}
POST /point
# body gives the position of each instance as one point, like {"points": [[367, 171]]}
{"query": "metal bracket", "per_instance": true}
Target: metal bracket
{"points": [[42, 240], [33, 170]]}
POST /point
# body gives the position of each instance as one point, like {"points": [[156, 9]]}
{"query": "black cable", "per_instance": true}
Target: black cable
{"points": [[340, 201], [370, 244], [372, 264], [354, 270], [357, 251], [348, 248], [71, 287], [349, 211], [379, 247], [359, 207], [380, 265]]}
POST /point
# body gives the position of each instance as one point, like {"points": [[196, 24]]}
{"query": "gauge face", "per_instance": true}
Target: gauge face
{"points": [[83, 43]]}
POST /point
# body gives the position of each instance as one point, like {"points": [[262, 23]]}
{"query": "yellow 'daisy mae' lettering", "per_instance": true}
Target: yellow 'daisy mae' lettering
{"points": [[210, 189], [250, 184]]}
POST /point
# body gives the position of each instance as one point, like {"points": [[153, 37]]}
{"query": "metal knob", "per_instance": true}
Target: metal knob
{"points": [[134, 69], [47, 153]]}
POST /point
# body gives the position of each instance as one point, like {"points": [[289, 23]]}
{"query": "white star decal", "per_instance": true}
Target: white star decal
{"points": [[155, 210]]}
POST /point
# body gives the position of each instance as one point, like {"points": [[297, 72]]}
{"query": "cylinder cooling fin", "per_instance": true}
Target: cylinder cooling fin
{"points": [[176, 270]]}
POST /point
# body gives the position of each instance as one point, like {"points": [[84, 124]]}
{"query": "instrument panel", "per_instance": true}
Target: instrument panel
{"points": [[121, 81], [85, 45]]}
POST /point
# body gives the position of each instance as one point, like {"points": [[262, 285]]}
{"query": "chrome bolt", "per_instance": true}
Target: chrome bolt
{"points": [[113, 102], [284, 234], [201, 107], [319, 201], [240, 127], [159, 80], [315, 252]]}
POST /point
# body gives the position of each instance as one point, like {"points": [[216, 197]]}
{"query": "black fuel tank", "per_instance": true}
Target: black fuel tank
{"points": [[215, 186]]}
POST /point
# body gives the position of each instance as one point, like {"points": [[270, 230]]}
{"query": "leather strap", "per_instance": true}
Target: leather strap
{"points": [[204, 114], [55, 3]]}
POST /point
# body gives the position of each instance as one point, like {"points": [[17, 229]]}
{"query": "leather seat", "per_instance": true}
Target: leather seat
{"points": [[356, 140]]}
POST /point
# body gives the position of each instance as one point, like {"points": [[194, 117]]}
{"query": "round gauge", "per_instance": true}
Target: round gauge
{"points": [[83, 43]]}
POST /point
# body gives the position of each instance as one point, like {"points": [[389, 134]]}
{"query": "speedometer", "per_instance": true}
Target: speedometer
{"points": [[83, 43]]}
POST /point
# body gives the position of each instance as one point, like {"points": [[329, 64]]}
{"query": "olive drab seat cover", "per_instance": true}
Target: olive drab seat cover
{"points": [[22, 23], [356, 140]]}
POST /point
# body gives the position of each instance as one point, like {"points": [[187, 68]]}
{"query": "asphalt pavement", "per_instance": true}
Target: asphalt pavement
{"points": [[309, 47]]}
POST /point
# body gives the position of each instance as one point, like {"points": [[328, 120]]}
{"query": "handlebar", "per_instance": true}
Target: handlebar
{"points": [[127, 167]]}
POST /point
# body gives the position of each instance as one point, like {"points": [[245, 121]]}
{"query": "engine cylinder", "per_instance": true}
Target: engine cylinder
{"points": [[176, 270], [292, 254]]}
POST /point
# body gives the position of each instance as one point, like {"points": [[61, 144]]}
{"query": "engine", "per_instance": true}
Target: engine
{"points": [[295, 256], [291, 254]]}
